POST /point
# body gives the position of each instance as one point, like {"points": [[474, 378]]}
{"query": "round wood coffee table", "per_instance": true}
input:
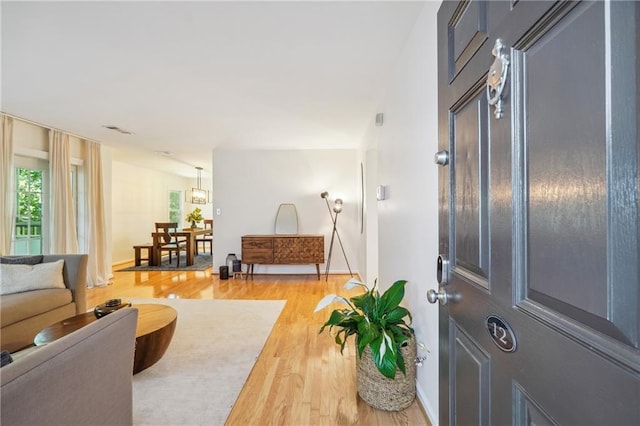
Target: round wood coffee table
{"points": [[156, 324]]}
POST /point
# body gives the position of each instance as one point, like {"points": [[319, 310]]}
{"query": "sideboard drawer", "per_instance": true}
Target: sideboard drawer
{"points": [[249, 243], [259, 256], [257, 250]]}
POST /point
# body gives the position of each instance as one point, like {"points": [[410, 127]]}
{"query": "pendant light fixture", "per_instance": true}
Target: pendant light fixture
{"points": [[199, 195]]}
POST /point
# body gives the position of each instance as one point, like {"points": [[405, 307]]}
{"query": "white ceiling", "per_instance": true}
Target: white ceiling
{"points": [[188, 77]]}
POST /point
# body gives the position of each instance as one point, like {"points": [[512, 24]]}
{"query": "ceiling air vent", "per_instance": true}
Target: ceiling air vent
{"points": [[118, 129]]}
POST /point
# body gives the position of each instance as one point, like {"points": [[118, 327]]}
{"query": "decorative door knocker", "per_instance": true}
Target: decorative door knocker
{"points": [[497, 77]]}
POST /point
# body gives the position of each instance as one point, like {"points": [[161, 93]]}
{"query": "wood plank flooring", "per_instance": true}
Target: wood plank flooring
{"points": [[300, 378]]}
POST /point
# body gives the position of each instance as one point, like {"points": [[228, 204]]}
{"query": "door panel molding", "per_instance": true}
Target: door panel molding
{"points": [[565, 163], [470, 185], [527, 411], [472, 369], [609, 322], [467, 32], [467, 275], [623, 242], [614, 351], [554, 15]]}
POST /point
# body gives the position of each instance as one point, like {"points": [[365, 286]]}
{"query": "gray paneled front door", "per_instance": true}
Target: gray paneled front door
{"points": [[539, 234]]}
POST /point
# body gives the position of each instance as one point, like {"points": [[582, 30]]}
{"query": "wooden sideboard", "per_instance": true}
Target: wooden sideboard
{"points": [[296, 249]]}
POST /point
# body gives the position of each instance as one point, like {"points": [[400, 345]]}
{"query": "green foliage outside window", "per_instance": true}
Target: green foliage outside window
{"points": [[29, 202], [175, 206], [29, 205]]}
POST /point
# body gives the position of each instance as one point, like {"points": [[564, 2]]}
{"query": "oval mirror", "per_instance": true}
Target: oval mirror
{"points": [[287, 219]]}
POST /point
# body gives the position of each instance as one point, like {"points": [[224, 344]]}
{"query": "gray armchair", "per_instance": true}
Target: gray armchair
{"points": [[84, 378]]}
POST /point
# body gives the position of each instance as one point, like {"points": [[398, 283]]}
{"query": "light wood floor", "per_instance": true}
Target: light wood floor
{"points": [[300, 377]]}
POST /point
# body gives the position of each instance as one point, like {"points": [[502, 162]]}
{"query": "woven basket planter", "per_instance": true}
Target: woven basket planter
{"points": [[381, 392]]}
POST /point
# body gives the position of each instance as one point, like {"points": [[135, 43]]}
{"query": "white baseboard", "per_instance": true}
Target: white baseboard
{"points": [[428, 409]]}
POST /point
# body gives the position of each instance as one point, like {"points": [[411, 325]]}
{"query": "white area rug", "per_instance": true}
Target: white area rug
{"points": [[214, 348]]}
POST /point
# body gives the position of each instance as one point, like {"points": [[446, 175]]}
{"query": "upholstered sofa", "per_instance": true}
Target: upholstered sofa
{"points": [[84, 378], [24, 313]]}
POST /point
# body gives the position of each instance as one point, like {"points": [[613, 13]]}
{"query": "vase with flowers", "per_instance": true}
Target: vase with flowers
{"points": [[195, 217]]}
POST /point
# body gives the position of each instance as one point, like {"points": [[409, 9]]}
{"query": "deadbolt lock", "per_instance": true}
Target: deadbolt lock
{"points": [[441, 158], [442, 269]]}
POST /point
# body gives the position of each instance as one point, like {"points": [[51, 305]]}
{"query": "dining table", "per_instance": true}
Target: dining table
{"points": [[189, 233]]}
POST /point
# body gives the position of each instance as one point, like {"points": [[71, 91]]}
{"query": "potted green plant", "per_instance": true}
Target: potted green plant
{"points": [[385, 342], [195, 217]]}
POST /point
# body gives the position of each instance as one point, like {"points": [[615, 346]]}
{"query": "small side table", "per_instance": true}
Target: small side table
{"points": [[156, 324]]}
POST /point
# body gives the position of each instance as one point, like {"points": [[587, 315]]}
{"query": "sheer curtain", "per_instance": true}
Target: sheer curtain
{"points": [[99, 264], [64, 238], [7, 193]]}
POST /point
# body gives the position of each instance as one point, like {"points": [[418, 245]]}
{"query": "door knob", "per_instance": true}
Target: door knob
{"points": [[441, 295]]}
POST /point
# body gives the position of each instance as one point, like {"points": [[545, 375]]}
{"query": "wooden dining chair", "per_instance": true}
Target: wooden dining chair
{"points": [[169, 241], [206, 239]]}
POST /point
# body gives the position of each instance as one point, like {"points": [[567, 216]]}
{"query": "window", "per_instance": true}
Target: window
{"points": [[175, 206], [29, 211], [31, 232]]}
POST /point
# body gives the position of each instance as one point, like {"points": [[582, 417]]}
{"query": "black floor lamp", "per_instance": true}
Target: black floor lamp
{"points": [[337, 208]]}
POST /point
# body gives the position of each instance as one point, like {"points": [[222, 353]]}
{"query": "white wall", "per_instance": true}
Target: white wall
{"points": [[408, 219], [30, 136], [249, 186], [32, 140]]}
